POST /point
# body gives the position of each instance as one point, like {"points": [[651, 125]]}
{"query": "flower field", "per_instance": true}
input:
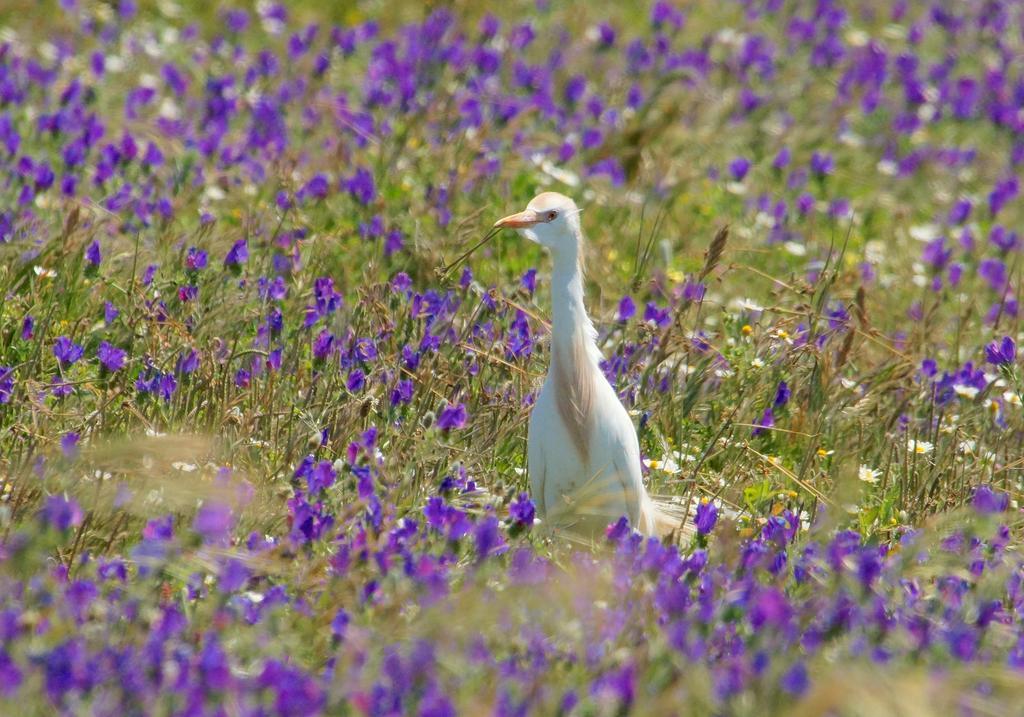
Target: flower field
{"points": [[263, 416]]}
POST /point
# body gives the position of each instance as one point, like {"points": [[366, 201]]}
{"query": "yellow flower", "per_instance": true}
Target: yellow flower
{"points": [[747, 329]]}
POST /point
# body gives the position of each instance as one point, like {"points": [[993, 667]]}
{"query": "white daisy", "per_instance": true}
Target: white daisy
{"points": [[922, 448], [868, 475]]}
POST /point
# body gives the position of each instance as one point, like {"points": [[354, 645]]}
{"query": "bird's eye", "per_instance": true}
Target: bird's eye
{"points": [[551, 215]]}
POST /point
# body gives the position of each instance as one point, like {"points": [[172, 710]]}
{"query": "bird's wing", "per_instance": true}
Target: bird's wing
{"points": [[630, 493], [627, 467], [536, 467]]}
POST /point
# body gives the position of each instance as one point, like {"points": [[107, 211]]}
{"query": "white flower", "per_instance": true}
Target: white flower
{"points": [[670, 463], [868, 475], [965, 391], [169, 109], [558, 173], [746, 305], [922, 448], [925, 232], [113, 64], [887, 167], [213, 193]]}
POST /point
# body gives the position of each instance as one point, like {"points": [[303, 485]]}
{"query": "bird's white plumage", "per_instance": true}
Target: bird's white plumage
{"points": [[583, 455]]}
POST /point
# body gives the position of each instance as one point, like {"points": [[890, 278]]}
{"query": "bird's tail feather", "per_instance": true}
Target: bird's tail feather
{"points": [[665, 518]]}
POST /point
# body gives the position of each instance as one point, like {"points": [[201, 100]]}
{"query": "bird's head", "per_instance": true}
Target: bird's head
{"points": [[550, 219]]}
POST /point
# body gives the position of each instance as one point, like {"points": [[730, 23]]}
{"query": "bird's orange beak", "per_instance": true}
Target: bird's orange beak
{"points": [[522, 220]]}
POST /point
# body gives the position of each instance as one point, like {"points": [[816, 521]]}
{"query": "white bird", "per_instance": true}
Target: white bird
{"points": [[583, 453]]}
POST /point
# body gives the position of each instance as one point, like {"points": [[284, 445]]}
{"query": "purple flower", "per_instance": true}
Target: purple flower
{"points": [[529, 281], [67, 351], [960, 211], [69, 445], [92, 253], [167, 385], [1002, 353], [605, 35], [187, 362], [323, 345], [767, 420], [110, 313], [521, 510], [159, 528], [315, 188], [936, 254], [321, 476], [339, 624], [706, 517], [356, 381], [1004, 191], [739, 167], [804, 203], [153, 156], [10, 675], [627, 308], [6, 384], [213, 668], [488, 538], [693, 290], [234, 575], [237, 20], [213, 521], [111, 358], [238, 254], [28, 327], [1002, 238], [781, 160], [196, 259], [782, 394], [993, 271], [822, 163], [361, 186], [988, 501], [402, 392], [452, 417], [661, 317], [618, 530], [794, 681], [65, 668], [62, 512]]}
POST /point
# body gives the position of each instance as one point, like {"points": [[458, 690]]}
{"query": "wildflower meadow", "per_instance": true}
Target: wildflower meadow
{"points": [[263, 415]]}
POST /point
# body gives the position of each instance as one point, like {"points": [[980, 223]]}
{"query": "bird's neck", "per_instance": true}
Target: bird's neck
{"points": [[571, 328], [574, 372]]}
